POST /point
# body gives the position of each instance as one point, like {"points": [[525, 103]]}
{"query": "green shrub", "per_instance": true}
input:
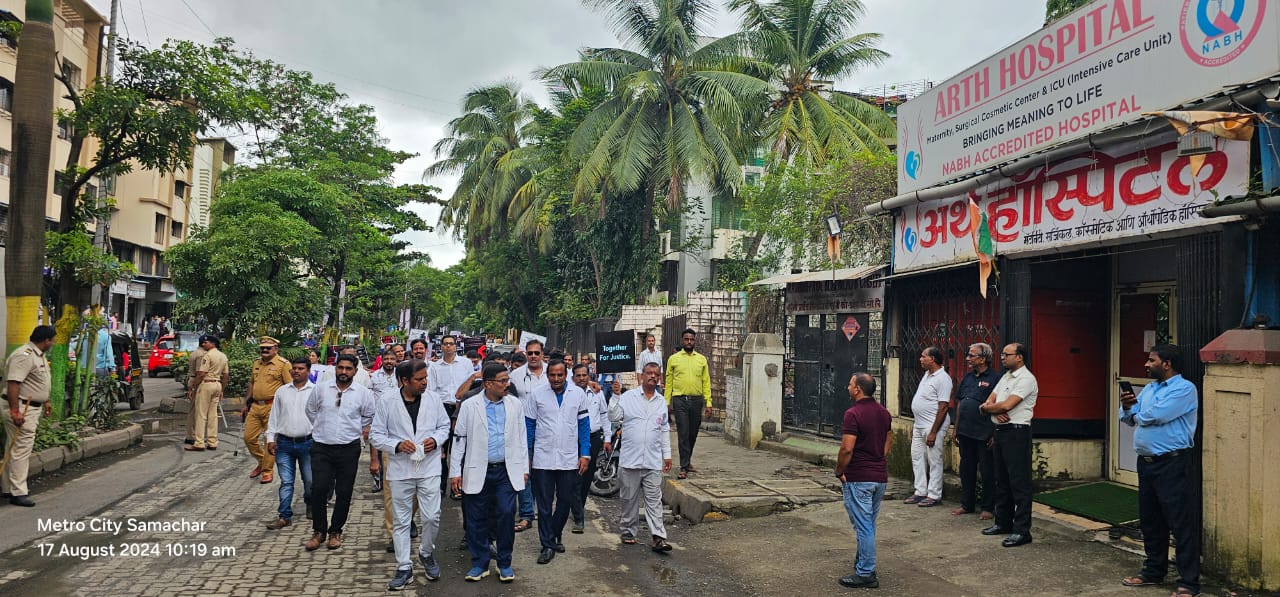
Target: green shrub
{"points": [[241, 370], [51, 433]]}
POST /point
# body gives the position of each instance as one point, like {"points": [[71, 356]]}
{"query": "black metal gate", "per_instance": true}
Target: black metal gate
{"points": [[826, 351], [671, 328]]}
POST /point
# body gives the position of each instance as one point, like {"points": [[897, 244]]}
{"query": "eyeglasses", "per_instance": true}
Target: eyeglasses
{"points": [[264, 350], [338, 404], [501, 381], [533, 353]]}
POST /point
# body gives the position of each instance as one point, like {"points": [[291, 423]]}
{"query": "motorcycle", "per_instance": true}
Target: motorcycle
{"points": [[605, 483]]}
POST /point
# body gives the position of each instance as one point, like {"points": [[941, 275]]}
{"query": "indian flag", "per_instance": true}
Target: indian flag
{"points": [[982, 244]]}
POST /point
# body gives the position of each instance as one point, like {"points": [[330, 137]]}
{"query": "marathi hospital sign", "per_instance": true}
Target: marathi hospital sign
{"points": [[1103, 64], [1134, 189]]}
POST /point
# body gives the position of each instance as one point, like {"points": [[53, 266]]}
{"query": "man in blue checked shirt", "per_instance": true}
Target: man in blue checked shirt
{"points": [[1164, 420]]}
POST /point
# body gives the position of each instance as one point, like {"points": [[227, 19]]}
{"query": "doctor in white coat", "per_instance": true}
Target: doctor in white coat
{"points": [[411, 430], [492, 471]]}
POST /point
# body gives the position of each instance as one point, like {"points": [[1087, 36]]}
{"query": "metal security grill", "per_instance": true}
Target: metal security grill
{"points": [[945, 310], [1199, 300]]}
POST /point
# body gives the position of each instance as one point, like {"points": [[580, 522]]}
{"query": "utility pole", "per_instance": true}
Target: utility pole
{"points": [[104, 222]]}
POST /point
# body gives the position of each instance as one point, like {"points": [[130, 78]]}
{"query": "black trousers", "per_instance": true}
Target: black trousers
{"points": [[1013, 478], [687, 411], [975, 457], [560, 487], [1167, 502], [333, 469], [584, 481]]}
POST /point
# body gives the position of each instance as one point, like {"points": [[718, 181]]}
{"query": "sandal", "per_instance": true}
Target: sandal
{"points": [[660, 545], [682, 475], [628, 540], [1183, 592], [1137, 581], [523, 525]]}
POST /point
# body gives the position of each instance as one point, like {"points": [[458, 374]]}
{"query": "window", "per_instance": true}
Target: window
{"points": [[72, 73], [6, 95], [180, 189], [162, 229], [175, 231], [6, 160], [65, 130]]}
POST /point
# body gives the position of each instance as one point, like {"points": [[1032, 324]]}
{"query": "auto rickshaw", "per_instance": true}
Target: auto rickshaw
{"points": [[128, 367]]}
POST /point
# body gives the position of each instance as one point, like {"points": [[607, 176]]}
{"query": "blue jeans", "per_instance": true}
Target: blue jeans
{"points": [[291, 456], [862, 502], [491, 512]]}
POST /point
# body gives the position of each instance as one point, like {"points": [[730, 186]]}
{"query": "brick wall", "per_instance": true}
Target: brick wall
{"points": [[646, 318], [719, 317]]}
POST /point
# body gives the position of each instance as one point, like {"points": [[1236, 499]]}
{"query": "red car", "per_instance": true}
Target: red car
{"points": [[168, 347]]}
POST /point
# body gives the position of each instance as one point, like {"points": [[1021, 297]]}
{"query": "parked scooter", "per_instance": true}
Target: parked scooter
{"points": [[606, 482]]}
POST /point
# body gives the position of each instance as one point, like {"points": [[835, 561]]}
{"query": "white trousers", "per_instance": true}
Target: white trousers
{"points": [[403, 493], [638, 483], [926, 462]]}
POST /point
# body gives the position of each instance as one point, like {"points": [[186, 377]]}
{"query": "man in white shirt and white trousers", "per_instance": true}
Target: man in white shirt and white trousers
{"points": [[644, 456], [409, 429]]}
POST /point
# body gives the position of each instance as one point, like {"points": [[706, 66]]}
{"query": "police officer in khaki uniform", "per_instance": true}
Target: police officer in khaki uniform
{"points": [[269, 373], [27, 372], [206, 392], [193, 365]]}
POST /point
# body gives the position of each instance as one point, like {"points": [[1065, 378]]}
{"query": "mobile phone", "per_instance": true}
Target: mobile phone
{"points": [[1126, 387]]}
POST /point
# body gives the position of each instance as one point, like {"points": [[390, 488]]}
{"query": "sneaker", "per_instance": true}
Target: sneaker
{"points": [[857, 581], [314, 543], [335, 541], [579, 528], [476, 574], [506, 574], [430, 566], [402, 579]]}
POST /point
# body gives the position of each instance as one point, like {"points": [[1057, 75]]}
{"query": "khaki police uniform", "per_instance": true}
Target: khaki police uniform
{"points": [[267, 378], [193, 366], [27, 366], [214, 366]]}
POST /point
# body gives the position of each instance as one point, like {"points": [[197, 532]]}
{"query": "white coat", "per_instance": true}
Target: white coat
{"points": [[555, 443], [470, 452], [391, 425]]}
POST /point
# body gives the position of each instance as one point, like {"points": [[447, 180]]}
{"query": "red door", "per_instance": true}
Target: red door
{"points": [[1069, 344]]}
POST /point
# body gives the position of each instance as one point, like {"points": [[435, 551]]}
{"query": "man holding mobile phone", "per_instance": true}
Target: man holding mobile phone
{"points": [[1164, 420]]}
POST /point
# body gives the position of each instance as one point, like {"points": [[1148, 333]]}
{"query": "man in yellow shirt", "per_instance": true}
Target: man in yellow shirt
{"points": [[689, 389]]}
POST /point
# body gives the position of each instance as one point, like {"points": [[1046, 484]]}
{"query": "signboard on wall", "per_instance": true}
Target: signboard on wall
{"points": [[1102, 65], [1131, 190], [865, 296]]}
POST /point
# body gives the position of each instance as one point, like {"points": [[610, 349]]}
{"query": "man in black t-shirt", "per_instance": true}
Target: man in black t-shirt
{"points": [[861, 467], [973, 431]]}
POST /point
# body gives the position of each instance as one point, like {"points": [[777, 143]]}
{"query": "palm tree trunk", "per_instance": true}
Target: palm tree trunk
{"points": [[32, 147]]}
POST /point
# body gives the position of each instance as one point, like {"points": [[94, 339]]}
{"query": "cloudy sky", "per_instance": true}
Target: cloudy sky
{"points": [[413, 59]]}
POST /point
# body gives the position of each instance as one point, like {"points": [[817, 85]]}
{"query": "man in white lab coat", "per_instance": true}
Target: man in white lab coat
{"points": [[410, 431], [559, 430], [491, 473]]}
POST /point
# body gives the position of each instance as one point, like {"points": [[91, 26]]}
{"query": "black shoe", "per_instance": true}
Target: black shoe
{"points": [[377, 485], [391, 547], [413, 530], [996, 529], [579, 528], [559, 547], [857, 581], [189, 442], [21, 500], [403, 578], [1016, 539], [546, 555]]}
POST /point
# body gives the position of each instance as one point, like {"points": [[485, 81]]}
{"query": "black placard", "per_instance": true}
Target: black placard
{"points": [[616, 351]]}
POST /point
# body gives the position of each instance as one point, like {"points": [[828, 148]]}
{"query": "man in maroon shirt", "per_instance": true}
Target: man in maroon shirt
{"points": [[862, 468]]}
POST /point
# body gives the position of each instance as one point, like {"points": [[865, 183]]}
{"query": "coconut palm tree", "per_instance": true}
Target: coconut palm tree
{"points": [[497, 121], [677, 107], [805, 45], [29, 188]]}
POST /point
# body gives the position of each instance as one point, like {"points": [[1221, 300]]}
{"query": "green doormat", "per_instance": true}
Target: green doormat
{"points": [[1108, 502]]}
